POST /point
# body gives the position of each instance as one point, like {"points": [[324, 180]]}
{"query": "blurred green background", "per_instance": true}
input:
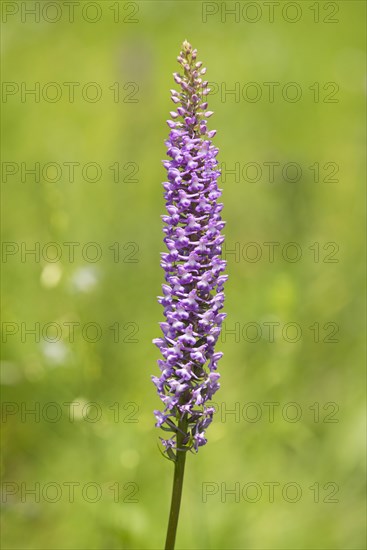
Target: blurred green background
{"points": [[93, 423]]}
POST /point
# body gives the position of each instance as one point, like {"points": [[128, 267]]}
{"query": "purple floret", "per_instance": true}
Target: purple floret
{"points": [[193, 293]]}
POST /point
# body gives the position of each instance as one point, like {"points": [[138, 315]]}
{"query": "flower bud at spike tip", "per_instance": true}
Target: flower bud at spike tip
{"points": [[193, 290]]}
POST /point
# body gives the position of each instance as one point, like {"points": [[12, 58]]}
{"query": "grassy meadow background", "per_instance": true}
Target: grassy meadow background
{"points": [[93, 425]]}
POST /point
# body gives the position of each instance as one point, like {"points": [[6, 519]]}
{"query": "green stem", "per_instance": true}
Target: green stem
{"points": [[177, 487]]}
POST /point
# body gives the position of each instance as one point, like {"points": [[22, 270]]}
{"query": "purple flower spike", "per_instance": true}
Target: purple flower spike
{"points": [[193, 292]]}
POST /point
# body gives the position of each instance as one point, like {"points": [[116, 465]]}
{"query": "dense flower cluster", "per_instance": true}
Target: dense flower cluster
{"points": [[193, 294]]}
